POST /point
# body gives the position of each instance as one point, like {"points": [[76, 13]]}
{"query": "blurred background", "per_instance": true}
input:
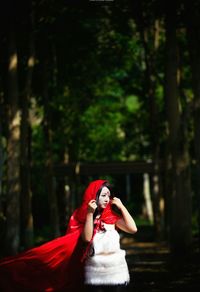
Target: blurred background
{"points": [[99, 89]]}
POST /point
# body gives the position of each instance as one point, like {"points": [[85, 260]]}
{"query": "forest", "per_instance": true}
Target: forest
{"points": [[99, 89]]}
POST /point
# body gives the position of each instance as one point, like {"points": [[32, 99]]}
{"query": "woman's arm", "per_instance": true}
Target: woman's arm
{"points": [[126, 223], [89, 223]]}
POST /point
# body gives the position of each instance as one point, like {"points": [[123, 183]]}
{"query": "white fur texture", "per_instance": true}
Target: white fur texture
{"points": [[108, 265], [106, 242]]}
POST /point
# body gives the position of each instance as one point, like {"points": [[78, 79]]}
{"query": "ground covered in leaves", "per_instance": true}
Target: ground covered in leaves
{"points": [[152, 268]]}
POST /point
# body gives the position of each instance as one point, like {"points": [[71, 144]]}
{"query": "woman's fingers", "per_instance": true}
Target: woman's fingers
{"points": [[92, 201], [92, 205], [116, 201]]}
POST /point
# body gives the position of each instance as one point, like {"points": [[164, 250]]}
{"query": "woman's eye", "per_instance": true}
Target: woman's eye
{"points": [[104, 195]]}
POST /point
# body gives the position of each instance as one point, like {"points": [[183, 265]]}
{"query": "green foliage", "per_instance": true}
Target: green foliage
{"points": [[132, 103], [142, 222], [103, 134]]}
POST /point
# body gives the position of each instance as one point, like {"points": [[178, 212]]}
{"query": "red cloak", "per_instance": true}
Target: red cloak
{"points": [[58, 264]]}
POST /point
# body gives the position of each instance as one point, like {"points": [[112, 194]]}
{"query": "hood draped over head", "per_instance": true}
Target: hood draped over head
{"points": [[78, 218]]}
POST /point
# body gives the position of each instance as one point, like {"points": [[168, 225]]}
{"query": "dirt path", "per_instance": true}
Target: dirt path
{"points": [[153, 269]]}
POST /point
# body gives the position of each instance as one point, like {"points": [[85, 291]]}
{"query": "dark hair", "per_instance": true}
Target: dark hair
{"points": [[105, 184]]}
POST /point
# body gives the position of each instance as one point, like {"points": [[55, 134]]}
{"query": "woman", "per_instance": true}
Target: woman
{"points": [[62, 264], [105, 267]]}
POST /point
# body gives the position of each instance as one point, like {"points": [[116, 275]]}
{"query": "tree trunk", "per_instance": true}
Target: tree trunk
{"points": [[149, 91], [193, 32], [63, 194], [147, 198], [50, 180], [178, 158], [26, 195], [13, 149], [2, 161]]}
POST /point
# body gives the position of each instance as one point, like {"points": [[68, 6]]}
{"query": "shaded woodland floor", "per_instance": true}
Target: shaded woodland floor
{"points": [[152, 268]]}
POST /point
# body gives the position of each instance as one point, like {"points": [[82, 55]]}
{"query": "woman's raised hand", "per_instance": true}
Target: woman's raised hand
{"points": [[116, 201], [92, 205]]}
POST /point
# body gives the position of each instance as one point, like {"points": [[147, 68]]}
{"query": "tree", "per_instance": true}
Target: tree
{"points": [[193, 33], [13, 147], [178, 162], [25, 159], [149, 25]]}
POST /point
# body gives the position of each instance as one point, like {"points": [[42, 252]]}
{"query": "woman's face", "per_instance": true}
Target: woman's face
{"points": [[104, 198]]}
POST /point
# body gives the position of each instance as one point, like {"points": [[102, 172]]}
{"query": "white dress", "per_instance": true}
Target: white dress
{"points": [[107, 266]]}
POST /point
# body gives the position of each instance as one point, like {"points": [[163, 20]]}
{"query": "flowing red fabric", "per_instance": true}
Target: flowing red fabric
{"points": [[56, 265]]}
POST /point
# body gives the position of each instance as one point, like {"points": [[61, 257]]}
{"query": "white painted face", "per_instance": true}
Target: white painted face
{"points": [[104, 198]]}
